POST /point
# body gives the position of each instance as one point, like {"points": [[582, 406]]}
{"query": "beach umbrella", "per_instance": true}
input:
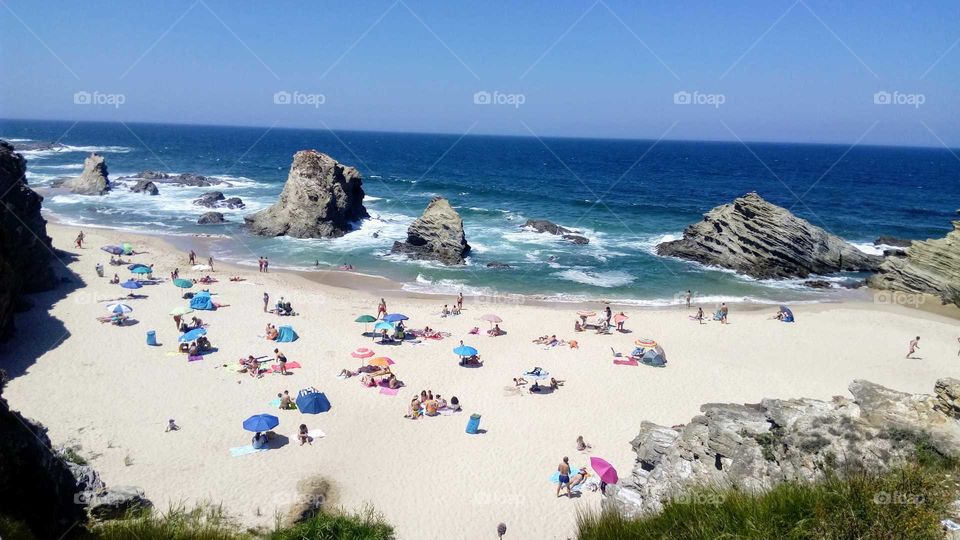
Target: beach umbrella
{"points": [[381, 361], [127, 248], [182, 310], [395, 317], [619, 318], [182, 283], [130, 284], [119, 308], [136, 265], [604, 470], [586, 313], [361, 353], [192, 334], [383, 325], [201, 267], [646, 343], [464, 350], [313, 403], [113, 250], [261, 422], [365, 319], [491, 318], [142, 270]]}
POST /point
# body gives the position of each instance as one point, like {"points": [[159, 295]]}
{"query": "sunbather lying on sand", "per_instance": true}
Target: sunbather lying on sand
{"points": [[519, 381], [471, 361], [346, 373], [495, 331], [237, 278], [542, 340]]}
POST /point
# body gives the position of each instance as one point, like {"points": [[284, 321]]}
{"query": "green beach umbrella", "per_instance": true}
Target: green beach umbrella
{"points": [[183, 283], [182, 310], [365, 319]]}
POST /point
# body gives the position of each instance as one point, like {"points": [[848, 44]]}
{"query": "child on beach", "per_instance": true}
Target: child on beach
{"points": [[303, 435], [914, 346], [172, 426]]}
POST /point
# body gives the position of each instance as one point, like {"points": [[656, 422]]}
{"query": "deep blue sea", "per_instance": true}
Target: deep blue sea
{"points": [[624, 195]]}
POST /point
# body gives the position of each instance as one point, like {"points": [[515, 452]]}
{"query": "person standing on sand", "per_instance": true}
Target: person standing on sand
{"points": [[282, 360], [700, 314], [724, 311], [176, 321], [460, 302], [210, 262], [192, 257], [688, 297], [79, 240], [609, 314], [266, 301], [259, 264], [564, 470], [382, 308], [914, 346], [266, 264]]}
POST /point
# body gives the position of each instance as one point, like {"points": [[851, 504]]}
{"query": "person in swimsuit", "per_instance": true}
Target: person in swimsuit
{"points": [[282, 360], [564, 470]]}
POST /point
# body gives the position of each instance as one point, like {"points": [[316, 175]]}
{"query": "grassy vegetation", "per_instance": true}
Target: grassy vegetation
{"points": [[908, 502], [366, 525]]}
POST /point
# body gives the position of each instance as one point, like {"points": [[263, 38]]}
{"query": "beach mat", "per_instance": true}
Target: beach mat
{"points": [[389, 391], [625, 362], [195, 358], [290, 365], [555, 478], [244, 450], [449, 412]]}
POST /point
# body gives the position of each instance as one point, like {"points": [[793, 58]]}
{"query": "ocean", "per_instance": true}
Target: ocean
{"points": [[625, 196]]}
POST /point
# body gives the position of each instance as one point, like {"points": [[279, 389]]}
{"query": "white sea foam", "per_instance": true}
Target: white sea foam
{"points": [[68, 166], [445, 286], [614, 278], [870, 249]]}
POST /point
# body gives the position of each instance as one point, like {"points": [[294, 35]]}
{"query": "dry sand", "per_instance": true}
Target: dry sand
{"points": [[102, 387]]}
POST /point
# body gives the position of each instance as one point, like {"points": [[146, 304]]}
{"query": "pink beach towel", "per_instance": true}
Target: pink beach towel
{"points": [[194, 358], [389, 391], [627, 362], [290, 365]]}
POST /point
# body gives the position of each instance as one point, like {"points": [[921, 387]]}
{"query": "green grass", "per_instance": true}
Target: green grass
{"points": [[903, 503], [366, 525]]}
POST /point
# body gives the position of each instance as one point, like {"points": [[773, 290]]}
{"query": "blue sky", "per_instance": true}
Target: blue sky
{"points": [[803, 71]]}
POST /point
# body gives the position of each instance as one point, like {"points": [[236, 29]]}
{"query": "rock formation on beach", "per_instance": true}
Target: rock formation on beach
{"points": [[321, 199], [216, 199], [930, 266], [25, 248], [146, 187], [94, 180], [760, 239], [436, 235], [754, 447]]}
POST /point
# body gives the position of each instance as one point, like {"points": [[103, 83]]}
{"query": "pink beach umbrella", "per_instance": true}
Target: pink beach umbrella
{"points": [[605, 470], [491, 318], [619, 318], [362, 353]]}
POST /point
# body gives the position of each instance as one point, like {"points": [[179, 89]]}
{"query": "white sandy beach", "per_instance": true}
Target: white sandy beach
{"points": [[101, 386]]}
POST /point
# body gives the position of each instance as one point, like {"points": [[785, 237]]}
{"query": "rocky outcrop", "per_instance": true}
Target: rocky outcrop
{"points": [[211, 218], [94, 180], [146, 187], [754, 447], [321, 199], [497, 265], [576, 239], [760, 239], [891, 241], [216, 199], [436, 235], [930, 266], [188, 179], [25, 248], [34, 146], [544, 226]]}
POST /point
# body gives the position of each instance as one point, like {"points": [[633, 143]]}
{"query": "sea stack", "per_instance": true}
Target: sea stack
{"points": [[930, 266], [321, 199], [763, 240], [436, 235], [94, 179]]}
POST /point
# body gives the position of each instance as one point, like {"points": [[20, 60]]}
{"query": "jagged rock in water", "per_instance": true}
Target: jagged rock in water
{"points": [[436, 235], [25, 248], [94, 180], [891, 241], [232, 203], [930, 266], [544, 226], [211, 218], [576, 239], [755, 447], [187, 179], [145, 186], [817, 284], [321, 199], [497, 265], [209, 199], [760, 239], [33, 146]]}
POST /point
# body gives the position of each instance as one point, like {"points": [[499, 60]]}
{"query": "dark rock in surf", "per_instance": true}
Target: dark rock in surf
{"points": [[436, 235], [211, 218], [891, 241], [496, 265], [817, 284], [544, 226], [146, 187], [188, 179], [576, 239], [210, 199]]}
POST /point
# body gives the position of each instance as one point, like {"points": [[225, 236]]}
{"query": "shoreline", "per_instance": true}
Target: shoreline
{"points": [[389, 288]]}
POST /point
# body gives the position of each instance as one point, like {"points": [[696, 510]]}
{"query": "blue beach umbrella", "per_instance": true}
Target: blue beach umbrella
{"points": [[192, 334], [261, 422], [136, 265], [115, 250], [130, 284], [313, 403], [394, 317], [383, 325], [119, 308], [142, 270], [464, 350]]}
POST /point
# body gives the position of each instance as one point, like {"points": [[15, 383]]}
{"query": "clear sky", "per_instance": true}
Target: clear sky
{"points": [[770, 70]]}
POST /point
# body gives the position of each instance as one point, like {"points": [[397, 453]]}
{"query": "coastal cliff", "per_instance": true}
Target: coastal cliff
{"points": [[930, 266], [321, 199], [25, 248], [436, 235], [763, 240], [755, 447]]}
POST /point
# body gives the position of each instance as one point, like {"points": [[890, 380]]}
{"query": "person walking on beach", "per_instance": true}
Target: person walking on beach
{"points": [[688, 297], [914, 346], [382, 308], [260, 264], [266, 301], [564, 470], [266, 264], [79, 240], [282, 360], [724, 311], [210, 262], [460, 302], [609, 314], [700, 315], [192, 257]]}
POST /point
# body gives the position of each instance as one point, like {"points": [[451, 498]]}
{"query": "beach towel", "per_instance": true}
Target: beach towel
{"points": [[389, 391], [275, 368], [286, 334], [312, 434], [449, 412], [244, 450], [555, 478], [625, 362], [194, 358]]}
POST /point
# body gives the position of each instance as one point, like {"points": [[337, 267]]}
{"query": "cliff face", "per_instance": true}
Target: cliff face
{"points": [[755, 447], [436, 235], [321, 199], [931, 266], [25, 254], [760, 239]]}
